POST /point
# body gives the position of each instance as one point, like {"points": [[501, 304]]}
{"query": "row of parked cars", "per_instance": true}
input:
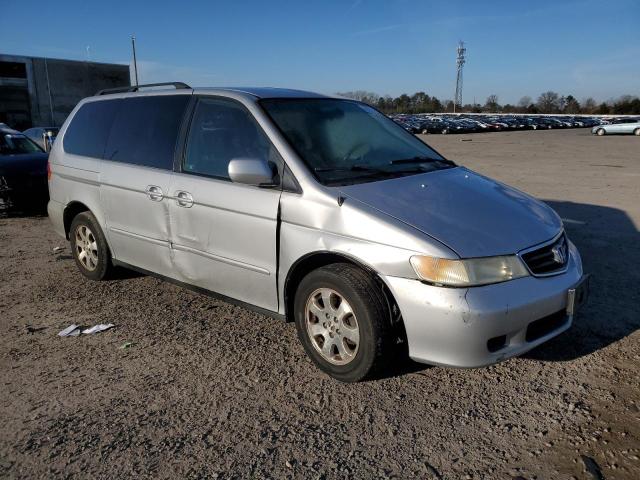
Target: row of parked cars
{"points": [[444, 124]]}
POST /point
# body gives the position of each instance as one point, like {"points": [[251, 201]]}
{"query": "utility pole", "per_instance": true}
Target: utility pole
{"points": [[459, 62], [135, 63]]}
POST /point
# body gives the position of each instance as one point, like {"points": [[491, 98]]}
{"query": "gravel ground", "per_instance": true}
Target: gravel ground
{"points": [[209, 390]]}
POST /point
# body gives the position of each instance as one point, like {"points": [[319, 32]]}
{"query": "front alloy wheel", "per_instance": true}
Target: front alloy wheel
{"points": [[343, 321], [332, 326]]}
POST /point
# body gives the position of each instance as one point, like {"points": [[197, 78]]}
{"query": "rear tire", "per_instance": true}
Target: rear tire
{"points": [[636, 132], [600, 132], [89, 247], [343, 322]]}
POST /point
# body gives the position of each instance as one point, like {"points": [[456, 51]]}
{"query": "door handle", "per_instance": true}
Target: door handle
{"points": [[154, 193], [184, 199]]}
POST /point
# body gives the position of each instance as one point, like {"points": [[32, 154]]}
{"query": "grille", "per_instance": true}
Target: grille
{"points": [[548, 259]]}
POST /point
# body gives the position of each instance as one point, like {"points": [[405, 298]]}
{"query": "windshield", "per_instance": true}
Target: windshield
{"points": [[344, 141], [11, 144]]}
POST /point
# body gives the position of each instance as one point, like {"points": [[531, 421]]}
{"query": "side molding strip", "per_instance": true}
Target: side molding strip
{"points": [[203, 291], [229, 261]]}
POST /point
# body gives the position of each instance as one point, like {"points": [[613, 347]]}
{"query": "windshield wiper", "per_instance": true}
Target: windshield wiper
{"points": [[420, 160], [370, 172], [353, 168]]}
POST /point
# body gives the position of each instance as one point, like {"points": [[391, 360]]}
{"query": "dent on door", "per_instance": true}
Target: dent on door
{"points": [[224, 239]]}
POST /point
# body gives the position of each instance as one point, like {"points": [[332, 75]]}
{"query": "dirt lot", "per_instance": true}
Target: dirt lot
{"points": [[209, 390]]}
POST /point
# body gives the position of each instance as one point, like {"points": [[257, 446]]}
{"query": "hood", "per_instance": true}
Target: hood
{"points": [[24, 164], [469, 213]]}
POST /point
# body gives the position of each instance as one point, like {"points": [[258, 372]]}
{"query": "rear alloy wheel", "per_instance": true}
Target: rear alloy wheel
{"points": [[86, 247], [343, 322], [90, 250], [444, 131], [636, 132], [600, 132]]}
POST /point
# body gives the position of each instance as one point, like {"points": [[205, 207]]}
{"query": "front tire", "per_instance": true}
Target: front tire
{"points": [[89, 247], [343, 322], [600, 132]]}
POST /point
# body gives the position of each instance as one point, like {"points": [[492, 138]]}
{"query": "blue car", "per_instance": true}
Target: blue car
{"points": [[23, 171]]}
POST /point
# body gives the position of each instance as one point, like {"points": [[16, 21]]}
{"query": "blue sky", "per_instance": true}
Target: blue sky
{"points": [[515, 48]]}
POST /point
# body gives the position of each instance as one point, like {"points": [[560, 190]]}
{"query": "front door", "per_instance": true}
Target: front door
{"points": [[223, 234]]}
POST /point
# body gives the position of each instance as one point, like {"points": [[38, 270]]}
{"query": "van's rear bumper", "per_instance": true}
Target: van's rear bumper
{"points": [[56, 216], [478, 326]]}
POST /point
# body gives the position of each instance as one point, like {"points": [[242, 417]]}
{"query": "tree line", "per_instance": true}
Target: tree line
{"points": [[547, 102]]}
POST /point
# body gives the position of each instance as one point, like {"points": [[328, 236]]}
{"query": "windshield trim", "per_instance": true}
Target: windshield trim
{"points": [[343, 181]]}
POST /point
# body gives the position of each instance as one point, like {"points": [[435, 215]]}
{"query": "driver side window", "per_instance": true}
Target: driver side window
{"points": [[222, 130]]}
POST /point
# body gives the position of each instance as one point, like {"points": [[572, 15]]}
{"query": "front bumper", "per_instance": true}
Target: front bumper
{"points": [[479, 326]]}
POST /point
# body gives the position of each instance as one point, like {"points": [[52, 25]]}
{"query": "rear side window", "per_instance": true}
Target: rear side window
{"points": [[89, 128], [145, 130]]}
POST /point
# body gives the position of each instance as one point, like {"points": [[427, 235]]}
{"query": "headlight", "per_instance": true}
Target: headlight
{"points": [[469, 272]]}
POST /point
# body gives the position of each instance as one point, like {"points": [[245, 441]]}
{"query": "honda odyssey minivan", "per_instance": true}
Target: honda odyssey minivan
{"points": [[317, 210]]}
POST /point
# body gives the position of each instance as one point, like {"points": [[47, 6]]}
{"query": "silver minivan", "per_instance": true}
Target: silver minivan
{"points": [[317, 210]]}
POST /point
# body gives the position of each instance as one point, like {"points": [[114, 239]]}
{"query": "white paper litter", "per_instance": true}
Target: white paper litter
{"points": [[101, 327], [57, 249], [70, 331]]}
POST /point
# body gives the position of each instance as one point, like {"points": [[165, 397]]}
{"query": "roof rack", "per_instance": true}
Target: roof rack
{"points": [[107, 91]]}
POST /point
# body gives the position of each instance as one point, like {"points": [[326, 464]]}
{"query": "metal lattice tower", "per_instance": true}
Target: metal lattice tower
{"points": [[459, 62]]}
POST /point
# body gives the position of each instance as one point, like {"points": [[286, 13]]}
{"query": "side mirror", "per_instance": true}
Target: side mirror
{"points": [[251, 171]]}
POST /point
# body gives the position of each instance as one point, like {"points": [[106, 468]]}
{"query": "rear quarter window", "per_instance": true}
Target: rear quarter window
{"points": [[89, 128], [145, 130]]}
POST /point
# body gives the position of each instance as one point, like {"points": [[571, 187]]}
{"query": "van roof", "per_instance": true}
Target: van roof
{"points": [[253, 92], [264, 92]]}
